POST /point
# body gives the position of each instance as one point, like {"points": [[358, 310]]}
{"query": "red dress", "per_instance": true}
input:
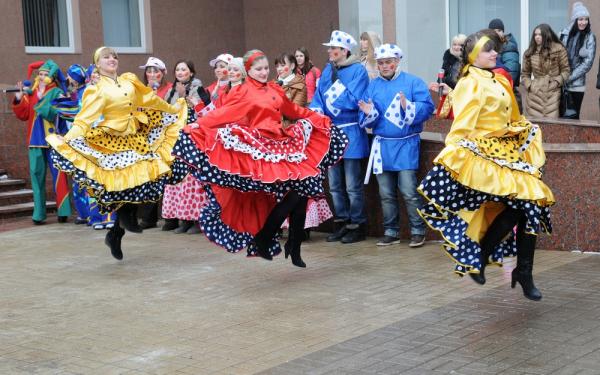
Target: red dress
{"points": [[249, 161]]}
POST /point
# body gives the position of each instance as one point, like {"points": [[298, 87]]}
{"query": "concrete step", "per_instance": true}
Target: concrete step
{"points": [[22, 209], [11, 184], [15, 196]]}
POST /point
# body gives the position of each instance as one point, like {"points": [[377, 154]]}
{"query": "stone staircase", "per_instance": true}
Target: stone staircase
{"points": [[15, 199]]}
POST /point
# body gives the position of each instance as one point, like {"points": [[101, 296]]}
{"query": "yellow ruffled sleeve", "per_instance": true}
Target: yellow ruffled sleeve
{"points": [[466, 104], [92, 105], [146, 97]]}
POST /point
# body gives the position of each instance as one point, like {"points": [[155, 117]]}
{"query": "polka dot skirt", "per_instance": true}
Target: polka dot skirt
{"points": [[446, 198], [190, 160], [184, 200], [317, 212]]}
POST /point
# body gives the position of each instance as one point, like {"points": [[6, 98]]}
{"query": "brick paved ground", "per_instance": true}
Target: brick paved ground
{"points": [[179, 305]]}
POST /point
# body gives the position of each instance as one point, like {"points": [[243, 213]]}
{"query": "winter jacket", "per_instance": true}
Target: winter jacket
{"points": [[451, 65], [543, 79], [510, 57], [583, 61], [295, 90]]}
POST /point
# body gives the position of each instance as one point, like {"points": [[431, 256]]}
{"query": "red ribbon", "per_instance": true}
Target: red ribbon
{"points": [[250, 61]]}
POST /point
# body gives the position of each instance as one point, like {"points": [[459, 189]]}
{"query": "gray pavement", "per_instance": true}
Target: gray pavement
{"points": [[177, 304]]}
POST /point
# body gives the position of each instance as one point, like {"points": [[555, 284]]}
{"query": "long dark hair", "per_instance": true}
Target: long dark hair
{"points": [[580, 38], [548, 38], [190, 65], [308, 65], [470, 43]]}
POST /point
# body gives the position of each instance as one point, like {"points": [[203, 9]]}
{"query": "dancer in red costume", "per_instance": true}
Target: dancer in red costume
{"points": [[257, 171]]}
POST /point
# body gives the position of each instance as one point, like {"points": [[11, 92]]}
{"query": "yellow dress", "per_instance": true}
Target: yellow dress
{"points": [[120, 143], [493, 158]]}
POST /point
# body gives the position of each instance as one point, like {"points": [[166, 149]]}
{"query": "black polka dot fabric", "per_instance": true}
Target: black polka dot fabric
{"points": [[446, 198]]}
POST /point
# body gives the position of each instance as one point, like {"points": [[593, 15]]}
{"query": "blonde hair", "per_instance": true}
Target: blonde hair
{"points": [[103, 51], [460, 38], [373, 42]]}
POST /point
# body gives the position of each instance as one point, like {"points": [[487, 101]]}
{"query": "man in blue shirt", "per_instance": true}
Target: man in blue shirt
{"points": [[395, 106], [342, 84]]}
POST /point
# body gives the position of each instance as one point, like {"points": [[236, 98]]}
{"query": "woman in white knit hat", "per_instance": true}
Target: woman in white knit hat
{"points": [[580, 43]]}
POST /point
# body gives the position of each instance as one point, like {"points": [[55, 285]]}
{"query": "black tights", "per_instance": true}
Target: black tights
{"points": [[501, 227], [292, 205]]}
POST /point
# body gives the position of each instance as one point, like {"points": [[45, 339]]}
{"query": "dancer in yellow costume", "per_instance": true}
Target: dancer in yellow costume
{"points": [[120, 144], [487, 179]]}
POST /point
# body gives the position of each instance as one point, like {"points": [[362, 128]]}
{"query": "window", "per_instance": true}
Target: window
{"points": [[519, 16], [469, 16], [51, 26], [552, 12], [127, 25], [358, 16]]}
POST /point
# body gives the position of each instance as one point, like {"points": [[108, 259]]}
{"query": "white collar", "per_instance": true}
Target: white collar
{"points": [[287, 79]]}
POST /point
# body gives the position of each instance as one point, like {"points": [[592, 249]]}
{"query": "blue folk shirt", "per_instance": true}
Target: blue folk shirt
{"points": [[339, 101], [396, 144]]}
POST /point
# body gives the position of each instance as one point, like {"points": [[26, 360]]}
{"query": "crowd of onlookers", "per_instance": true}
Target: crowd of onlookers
{"points": [[553, 68]]}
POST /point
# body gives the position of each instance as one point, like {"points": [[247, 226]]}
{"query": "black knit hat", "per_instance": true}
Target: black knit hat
{"points": [[496, 24]]}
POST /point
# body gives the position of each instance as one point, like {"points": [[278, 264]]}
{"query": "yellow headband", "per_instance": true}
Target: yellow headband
{"points": [[97, 54], [478, 46]]}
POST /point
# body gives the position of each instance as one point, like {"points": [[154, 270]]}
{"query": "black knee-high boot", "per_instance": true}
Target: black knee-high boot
{"points": [[523, 272], [297, 233], [500, 227], [273, 223], [127, 215], [113, 240]]}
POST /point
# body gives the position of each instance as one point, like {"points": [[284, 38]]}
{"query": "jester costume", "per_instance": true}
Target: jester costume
{"points": [[36, 108]]}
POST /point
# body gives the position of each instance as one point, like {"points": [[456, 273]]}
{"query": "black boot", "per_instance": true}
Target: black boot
{"points": [[262, 246], [113, 240], [273, 224], [297, 233], [127, 215], [340, 231], [523, 272], [497, 231]]}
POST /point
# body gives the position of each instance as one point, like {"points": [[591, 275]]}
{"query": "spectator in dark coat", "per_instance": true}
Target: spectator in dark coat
{"points": [[452, 62], [509, 56]]}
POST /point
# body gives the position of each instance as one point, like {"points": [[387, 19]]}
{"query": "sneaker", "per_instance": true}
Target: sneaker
{"points": [[338, 235], [417, 240], [79, 221], [388, 240], [354, 235], [98, 226]]}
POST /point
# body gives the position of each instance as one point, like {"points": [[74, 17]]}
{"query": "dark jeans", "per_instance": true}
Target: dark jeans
{"points": [[577, 99], [347, 191]]}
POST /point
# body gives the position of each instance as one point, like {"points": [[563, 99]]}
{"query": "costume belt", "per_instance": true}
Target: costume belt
{"points": [[376, 159], [342, 126]]}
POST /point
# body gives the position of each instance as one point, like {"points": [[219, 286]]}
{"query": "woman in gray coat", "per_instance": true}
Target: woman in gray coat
{"points": [[580, 43]]}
